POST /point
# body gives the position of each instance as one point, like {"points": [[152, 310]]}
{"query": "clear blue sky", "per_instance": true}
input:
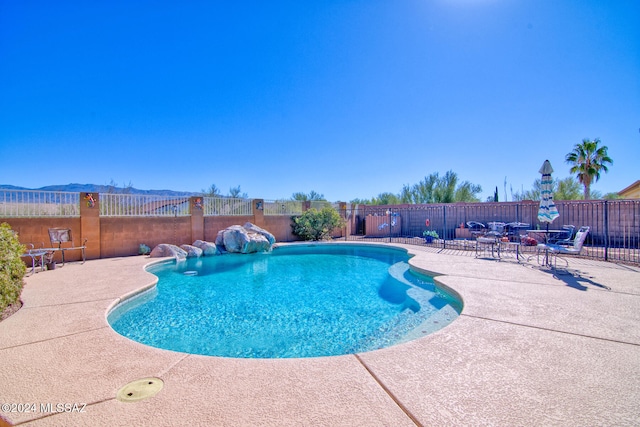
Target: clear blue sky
{"points": [[347, 98]]}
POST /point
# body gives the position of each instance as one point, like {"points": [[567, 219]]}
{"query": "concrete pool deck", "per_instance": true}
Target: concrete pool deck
{"points": [[529, 348]]}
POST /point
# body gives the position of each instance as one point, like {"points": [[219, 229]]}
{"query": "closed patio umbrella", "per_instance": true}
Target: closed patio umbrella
{"points": [[547, 211]]}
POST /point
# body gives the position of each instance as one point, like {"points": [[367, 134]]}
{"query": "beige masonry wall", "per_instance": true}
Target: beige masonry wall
{"points": [[109, 237], [122, 236], [35, 231]]}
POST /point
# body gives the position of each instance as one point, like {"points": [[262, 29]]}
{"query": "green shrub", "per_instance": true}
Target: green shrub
{"points": [[12, 269], [144, 249], [316, 224]]}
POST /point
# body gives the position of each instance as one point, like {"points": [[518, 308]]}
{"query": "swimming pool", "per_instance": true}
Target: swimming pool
{"points": [[297, 301]]}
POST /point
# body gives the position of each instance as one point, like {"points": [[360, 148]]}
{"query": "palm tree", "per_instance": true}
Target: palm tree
{"points": [[588, 160]]}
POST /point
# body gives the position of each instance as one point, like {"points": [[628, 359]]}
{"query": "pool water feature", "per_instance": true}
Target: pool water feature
{"points": [[297, 301]]}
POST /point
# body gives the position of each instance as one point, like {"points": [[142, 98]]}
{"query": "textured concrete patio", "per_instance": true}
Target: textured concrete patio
{"points": [[530, 349]]}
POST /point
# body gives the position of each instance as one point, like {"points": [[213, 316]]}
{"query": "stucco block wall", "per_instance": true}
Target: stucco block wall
{"points": [[36, 231], [280, 227], [123, 236], [213, 224], [110, 237]]}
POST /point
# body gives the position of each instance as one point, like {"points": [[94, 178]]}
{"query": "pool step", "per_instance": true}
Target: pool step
{"points": [[413, 322], [401, 271], [408, 326], [441, 318]]}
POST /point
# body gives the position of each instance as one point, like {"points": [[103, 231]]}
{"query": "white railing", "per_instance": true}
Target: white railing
{"points": [[34, 203], [282, 207], [321, 204], [227, 206], [143, 205]]}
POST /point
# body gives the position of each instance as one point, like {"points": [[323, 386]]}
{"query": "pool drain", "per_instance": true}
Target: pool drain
{"points": [[140, 389]]}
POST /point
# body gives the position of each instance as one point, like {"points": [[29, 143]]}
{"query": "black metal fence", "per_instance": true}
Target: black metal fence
{"points": [[614, 234]]}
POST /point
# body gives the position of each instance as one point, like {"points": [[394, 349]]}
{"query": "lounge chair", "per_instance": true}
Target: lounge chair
{"points": [[555, 250], [565, 238]]}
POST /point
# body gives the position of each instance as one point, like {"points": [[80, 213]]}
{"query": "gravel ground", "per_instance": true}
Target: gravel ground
{"points": [[8, 311]]}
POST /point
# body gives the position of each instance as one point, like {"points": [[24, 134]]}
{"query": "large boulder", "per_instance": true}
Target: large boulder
{"points": [[167, 250], [252, 228], [208, 248], [244, 239], [192, 251]]}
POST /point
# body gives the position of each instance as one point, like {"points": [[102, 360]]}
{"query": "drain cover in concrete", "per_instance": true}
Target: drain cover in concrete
{"points": [[139, 390]]}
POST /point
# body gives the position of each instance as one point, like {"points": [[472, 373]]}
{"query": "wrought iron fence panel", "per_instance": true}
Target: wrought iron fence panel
{"points": [[622, 230], [577, 213], [34, 203], [282, 207], [227, 206], [321, 204], [614, 224], [355, 216], [139, 205]]}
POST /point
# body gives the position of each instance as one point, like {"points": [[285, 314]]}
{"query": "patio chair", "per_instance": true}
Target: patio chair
{"points": [[496, 229], [565, 238], [515, 230], [476, 228], [61, 237], [556, 250]]}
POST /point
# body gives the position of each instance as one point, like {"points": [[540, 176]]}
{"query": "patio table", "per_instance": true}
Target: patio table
{"points": [[512, 246], [546, 234], [492, 242], [34, 254]]}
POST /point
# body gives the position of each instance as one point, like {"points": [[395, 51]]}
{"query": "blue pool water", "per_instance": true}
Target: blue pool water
{"points": [[297, 301]]}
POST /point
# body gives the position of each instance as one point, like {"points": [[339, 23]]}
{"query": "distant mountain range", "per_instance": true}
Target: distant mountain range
{"points": [[93, 188]]}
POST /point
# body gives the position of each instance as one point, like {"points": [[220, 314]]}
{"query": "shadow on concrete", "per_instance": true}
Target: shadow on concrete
{"points": [[574, 279]]}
